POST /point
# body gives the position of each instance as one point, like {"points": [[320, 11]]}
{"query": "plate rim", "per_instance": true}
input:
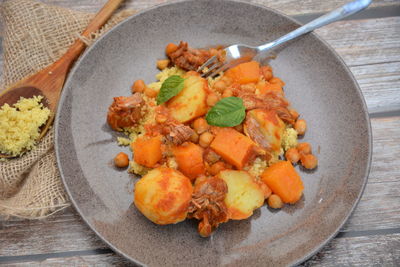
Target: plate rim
{"points": [[177, 2]]}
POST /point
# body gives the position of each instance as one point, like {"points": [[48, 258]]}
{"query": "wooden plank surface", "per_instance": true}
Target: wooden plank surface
{"points": [[362, 42], [290, 7], [379, 250]]}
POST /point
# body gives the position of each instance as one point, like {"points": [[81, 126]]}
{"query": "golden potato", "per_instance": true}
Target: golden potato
{"points": [[244, 194], [265, 128], [191, 102], [163, 195]]}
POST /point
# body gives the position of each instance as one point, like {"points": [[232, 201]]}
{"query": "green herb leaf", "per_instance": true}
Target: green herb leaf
{"points": [[170, 88], [228, 112]]}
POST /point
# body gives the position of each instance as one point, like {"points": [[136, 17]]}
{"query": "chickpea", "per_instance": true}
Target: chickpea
{"points": [[162, 63], [304, 148], [300, 126], [309, 161], [171, 48], [204, 229], [250, 87], [212, 99], [239, 128], [267, 72], [205, 139], [212, 157], [138, 86], [292, 155], [121, 160], [227, 80], [200, 125], [220, 86], [194, 137], [276, 80], [161, 118], [294, 113], [150, 92], [227, 93], [217, 168], [275, 202]]}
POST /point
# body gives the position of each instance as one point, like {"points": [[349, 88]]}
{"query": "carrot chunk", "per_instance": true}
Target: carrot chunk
{"points": [[147, 151], [234, 147], [248, 72], [284, 181], [190, 159]]}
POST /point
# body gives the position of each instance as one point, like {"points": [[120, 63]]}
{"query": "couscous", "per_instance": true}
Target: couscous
{"points": [[20, 125]]}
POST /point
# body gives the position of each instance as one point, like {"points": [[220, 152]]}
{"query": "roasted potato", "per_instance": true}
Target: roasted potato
{"points": [[265, 128], [163, 195], [191, 102], [244, 194]]}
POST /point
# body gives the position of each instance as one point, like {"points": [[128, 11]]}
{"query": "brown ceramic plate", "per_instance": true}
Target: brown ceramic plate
{"points": [[319, 86]]}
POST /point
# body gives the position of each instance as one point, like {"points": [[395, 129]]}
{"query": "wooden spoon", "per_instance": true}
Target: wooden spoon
{"points": [[49, 81]]}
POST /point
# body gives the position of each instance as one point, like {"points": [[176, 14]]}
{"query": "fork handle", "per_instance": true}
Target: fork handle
{"points": [[335, 15]]}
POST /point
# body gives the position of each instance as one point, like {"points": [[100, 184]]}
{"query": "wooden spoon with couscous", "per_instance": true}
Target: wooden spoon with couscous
{"points": [[46, 85]]}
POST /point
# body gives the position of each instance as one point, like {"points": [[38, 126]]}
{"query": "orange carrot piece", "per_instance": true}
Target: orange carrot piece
{"points": [[234, 147], [147, 151], [283, 180], [190, 159], [248, 72]]}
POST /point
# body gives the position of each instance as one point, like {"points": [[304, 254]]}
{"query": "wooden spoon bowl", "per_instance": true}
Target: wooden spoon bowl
{"points": [[49, 81]]}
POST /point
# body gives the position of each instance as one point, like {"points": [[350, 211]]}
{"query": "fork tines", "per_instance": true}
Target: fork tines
{"points": [[209, 67]]}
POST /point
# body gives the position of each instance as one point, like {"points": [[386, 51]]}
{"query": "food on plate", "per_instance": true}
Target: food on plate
{"points": [[244, 195], [121, 160], [20, 125], [210, 149], [284, 181], [275, 202], [163, 195]]}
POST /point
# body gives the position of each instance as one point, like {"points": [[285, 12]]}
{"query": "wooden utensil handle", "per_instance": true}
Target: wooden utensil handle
{"points": [[95, 24]]}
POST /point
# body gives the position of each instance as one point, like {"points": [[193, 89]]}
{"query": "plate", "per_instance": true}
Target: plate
{"points": [[318, 84]]}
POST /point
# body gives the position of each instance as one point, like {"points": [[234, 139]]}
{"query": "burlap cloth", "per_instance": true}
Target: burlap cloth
{"points": [[34, 36]]}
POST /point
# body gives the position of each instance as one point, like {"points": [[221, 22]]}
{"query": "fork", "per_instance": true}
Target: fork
{"points": [[239, 53]]}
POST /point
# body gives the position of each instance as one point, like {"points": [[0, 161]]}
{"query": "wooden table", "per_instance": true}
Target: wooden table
{"points": [[370, 45]]}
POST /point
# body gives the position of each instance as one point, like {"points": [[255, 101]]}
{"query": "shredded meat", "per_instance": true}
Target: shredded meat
{"points": [[125, 111], [189, 58], [253, 128], [269, 101], [207, 204], [178, 133]]}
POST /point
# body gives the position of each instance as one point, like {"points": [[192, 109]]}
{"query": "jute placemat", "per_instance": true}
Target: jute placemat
{"points": [[34, 36]]}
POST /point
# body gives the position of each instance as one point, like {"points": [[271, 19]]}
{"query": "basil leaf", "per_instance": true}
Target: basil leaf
{"points": [[170, 88], [228, 112]]}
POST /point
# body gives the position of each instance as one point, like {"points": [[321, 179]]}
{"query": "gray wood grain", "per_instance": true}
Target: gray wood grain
{"points": [[98, 260], [362, 42], [290, 7], [378, 208], [371, 48], [358, 251], [380, 204]]}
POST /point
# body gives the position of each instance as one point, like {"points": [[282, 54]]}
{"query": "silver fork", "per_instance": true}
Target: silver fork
{"points": [[239, 53]]}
